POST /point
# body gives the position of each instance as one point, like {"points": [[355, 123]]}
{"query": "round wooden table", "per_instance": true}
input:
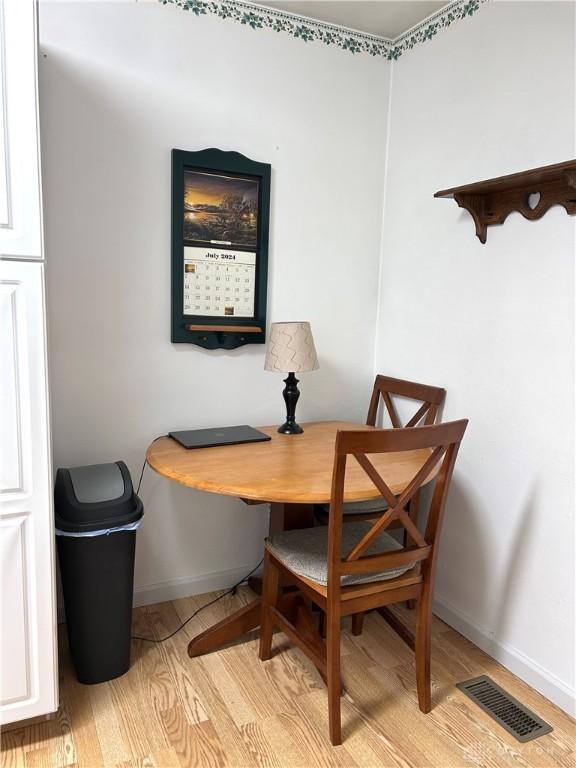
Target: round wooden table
{"points": [[291, 472]]}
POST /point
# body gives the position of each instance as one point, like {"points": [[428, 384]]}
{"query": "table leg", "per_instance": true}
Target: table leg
{"points": [[287, 517], [226, 631], [283, 517], [255, 584]]}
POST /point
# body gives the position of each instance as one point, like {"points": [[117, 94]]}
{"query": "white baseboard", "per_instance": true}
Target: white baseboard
{"points": [[174, 589], [518, 663]]}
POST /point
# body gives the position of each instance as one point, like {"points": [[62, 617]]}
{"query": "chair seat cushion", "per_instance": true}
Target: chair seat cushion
{"points": [[305, 552], [360, 507]]}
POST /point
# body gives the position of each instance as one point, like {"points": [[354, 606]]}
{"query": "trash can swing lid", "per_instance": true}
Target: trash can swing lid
{"points": [[96, 497]]}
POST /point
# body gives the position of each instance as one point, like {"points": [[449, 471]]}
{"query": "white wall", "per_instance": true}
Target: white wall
{"points": [[121, 85], [492, 323]]}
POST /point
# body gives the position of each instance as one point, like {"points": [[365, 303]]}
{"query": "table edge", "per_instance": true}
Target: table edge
{"points": [[274, 498]]}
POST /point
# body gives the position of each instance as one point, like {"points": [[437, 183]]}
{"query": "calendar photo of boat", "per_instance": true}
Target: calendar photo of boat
{"points": [[220, 209]]}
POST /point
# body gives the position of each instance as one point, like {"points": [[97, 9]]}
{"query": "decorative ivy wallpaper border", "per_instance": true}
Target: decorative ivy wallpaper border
{"points": [[258, 17]]}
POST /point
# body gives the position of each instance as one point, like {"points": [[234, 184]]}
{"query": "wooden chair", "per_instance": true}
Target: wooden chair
{"points": [[355, 567], [431, 399], [385, 389]]}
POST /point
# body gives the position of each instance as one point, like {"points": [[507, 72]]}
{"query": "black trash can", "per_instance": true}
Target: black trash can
{"points": [[97, 513]]}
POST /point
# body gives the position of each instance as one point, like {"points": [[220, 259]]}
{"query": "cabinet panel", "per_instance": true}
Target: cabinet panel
{"points": [[5, 212], [28, 677], [20, 210], [15, 660], [13, 379]]}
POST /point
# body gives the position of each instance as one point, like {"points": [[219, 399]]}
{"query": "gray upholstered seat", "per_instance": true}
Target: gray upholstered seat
{"points": [[371, 506], [305, 551]]}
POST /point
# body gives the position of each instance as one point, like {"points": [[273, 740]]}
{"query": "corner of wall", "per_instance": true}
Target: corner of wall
{"points": [[393, 65]]}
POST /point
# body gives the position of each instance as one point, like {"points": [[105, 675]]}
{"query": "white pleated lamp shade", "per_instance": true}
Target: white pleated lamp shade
{"points": [[291, 348]]}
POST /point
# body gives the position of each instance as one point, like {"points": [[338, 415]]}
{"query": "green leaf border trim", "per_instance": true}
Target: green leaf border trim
{"points": [[308, 30]]}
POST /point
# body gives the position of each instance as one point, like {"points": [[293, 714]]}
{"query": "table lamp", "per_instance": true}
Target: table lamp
{"points": [[291, 350]]}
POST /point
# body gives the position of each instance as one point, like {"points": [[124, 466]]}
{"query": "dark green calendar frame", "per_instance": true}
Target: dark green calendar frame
{"points": [[209, 331]]}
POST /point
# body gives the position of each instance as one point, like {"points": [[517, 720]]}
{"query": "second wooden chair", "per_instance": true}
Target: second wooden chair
{"points": [[385, 389]]}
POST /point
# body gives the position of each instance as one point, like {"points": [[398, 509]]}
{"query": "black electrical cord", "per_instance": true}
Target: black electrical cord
{"points": [[141, 476], [144, 465], [230, 591]]}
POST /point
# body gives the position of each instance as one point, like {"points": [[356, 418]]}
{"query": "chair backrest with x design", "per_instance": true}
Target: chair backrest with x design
{"points": [[431, 399], [442, 442]]}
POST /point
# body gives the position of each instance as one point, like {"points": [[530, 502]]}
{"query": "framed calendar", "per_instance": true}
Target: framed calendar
{"points": [[220, 216]]}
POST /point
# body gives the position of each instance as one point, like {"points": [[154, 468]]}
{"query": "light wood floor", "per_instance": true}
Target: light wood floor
{"points": [[229, 709]]}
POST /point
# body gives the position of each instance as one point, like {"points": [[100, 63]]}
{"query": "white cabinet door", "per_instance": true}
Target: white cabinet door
{"points": [[28, 666], [20, 207]]}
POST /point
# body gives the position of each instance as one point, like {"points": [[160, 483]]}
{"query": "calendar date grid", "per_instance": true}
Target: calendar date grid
{"points": [[219, 284]]}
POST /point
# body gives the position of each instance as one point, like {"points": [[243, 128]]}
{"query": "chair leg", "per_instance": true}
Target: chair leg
{"points": [[413, 513], [269, 598], [357, 623], [422, 649], [333, 676]]}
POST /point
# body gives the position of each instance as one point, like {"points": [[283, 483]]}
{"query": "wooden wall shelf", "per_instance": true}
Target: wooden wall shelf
{"points": [[531, 193]]}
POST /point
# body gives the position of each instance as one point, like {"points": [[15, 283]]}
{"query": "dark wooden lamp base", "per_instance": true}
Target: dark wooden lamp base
{"points": [[291, 394]]}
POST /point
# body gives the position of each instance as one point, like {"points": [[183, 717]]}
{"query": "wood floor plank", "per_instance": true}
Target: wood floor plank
{"points": [[62, 739], [64, 731], [166, 758], [147, 715], [263, 752], [271, 744], [164, 619], [39, 758], [249, 675], [195, 745], [84, 733], [216, 705], [142, 762], [238, 700], [319, 753], [154, 675], [137, 737], [37, 735], [230, 709], [290, 670], [112, 745], [380, 644], [12, 754], [53, 734]]}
